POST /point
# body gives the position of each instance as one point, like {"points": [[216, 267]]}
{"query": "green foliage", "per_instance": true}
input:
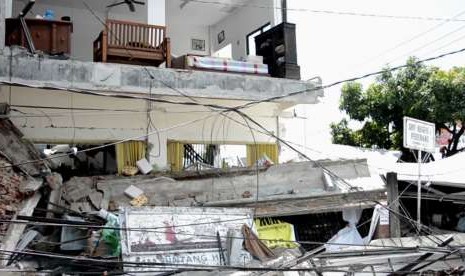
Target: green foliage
{"points": [[417, 91]]}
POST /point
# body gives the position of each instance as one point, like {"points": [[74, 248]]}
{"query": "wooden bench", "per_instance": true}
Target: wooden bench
{"points": [[133, 43]]}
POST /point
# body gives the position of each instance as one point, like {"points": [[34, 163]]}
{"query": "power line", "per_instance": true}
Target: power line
{"points": [[445, 45], [180, 233], [332, 12], [330, 172], [201, 267], [249, 104], [106, 145], [219, 107], [404, 42], [236, 109], [428, 43]]}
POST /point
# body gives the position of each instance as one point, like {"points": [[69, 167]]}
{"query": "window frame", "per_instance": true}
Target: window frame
{"points": [[261, 30]]}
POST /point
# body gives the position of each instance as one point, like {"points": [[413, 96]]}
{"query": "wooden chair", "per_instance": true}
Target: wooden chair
{"points": [[133, 43]]}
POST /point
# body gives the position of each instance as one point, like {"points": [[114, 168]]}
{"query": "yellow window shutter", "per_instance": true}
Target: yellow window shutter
{"points": [[128, 153], [256, 151], [175, 154]]}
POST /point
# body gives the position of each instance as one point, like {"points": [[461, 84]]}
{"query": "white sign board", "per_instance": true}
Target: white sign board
{"points": [[419, 135], [179, 235]]}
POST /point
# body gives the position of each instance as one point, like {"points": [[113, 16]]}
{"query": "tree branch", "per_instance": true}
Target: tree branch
{"points": [[442, 125], [456, 138]]}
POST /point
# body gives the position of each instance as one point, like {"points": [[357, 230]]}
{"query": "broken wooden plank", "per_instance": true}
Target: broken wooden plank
{"points": [[15, 230]]}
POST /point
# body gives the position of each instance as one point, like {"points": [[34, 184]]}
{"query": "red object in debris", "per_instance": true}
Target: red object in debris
{"points": [[170, 233]]}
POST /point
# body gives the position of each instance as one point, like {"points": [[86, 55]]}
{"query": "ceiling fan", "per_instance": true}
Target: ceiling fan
{"points": [[130, 3]]}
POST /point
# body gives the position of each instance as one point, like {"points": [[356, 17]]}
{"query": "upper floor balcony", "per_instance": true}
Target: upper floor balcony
{"points": [[212, 56]]}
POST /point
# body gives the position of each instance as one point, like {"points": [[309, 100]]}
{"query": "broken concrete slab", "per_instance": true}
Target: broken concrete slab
{"points": [[31, 184], [106, 195], [77, 188], [53, 201], [26, 238], [54, 181], [81, 207], [18, 150], [187, 202], [19, 68], [96, 199], [15, 230]]}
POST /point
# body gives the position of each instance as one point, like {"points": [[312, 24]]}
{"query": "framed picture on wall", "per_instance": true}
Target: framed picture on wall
{"points": [[198, 44], [221, 37]]}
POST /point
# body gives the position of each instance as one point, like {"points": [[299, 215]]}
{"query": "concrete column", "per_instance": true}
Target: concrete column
{"points": [[5, 12], [393, 202], [156, 12], [277, 12], [158, 152]]}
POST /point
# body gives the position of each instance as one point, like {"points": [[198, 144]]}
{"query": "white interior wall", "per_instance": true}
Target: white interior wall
{"points": [[7, 8], [5, 12], [156, 12], [240, 23], [86, 26], [181, 34]]}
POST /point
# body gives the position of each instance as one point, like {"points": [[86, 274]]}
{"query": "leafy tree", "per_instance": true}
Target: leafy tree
{"points": [[418, 91]]}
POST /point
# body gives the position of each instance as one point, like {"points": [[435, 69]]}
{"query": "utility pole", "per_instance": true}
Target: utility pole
{"points": [[393, 203], [419, 193]]}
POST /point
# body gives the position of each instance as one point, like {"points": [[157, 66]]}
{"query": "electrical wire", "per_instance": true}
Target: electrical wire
{"points": [[445, 45], [249, 104], [331, 12], [180, 233], [295, 93], [329, 172], [404, 42], [427, 44], [104, 146], [200, 267]]}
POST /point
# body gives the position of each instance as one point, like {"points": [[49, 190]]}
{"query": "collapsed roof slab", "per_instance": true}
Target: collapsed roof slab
{"points": [[286, 189]]}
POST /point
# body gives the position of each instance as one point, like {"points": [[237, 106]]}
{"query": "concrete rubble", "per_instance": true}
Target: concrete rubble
{"points": [[201, 223]]}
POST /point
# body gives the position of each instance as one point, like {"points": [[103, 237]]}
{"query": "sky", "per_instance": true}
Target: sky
{"points": [[337, 47]]}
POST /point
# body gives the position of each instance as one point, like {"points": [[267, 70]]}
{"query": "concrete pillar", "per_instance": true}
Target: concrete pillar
{"points": [[158, 152], [277, 13], [393, 202], [5, 12], [156, 12]]}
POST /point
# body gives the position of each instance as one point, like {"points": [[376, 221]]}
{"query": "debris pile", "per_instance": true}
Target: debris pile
{"points": [[10, 193]]}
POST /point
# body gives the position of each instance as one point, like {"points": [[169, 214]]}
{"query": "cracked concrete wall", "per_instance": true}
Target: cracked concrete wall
{"points": [[117, 78]]}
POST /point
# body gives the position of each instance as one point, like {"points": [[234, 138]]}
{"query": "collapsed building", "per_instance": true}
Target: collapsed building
{"points": [[140, 111]]}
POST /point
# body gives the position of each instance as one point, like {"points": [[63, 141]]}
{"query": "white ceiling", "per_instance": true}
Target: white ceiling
{"points": [[98, 6], [200, 14]]}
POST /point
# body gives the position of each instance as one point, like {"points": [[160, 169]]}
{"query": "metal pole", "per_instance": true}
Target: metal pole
{"points": [[284, 10], [419, 193]]}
